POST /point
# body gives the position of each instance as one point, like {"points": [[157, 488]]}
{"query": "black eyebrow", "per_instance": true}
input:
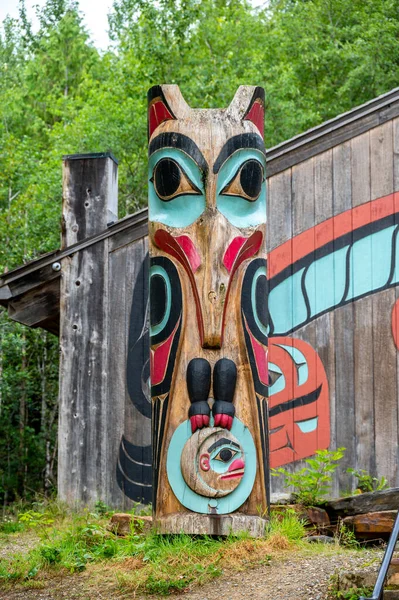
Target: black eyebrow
{"points": [[221, 442], [172, 139], [243, 140]]}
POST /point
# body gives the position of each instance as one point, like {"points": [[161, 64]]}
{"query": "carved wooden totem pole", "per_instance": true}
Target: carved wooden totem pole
{"points": [[207, 221]]}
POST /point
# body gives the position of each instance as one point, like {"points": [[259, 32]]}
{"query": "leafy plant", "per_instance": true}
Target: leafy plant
{"points": [[312, 483], [368, 483], [346, 536], [35, 519]]}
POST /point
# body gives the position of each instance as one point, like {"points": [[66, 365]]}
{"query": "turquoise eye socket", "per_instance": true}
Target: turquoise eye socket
{"points": [[225, 454], [176, 189], [222, 457], [241, 188]]}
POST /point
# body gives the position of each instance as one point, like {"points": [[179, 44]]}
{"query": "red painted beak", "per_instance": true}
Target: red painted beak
{"points": [[236, 469], [236, 464]]}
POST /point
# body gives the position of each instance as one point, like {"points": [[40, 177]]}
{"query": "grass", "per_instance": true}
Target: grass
{"points": [[79, 544]]}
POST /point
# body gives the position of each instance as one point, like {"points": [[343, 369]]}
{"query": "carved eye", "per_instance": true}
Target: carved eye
{"points": [[225, 455], [170, 180], [247, 183]]}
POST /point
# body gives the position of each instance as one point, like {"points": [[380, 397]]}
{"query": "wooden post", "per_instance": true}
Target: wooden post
{"points": [[207, 218], [89, 203]]}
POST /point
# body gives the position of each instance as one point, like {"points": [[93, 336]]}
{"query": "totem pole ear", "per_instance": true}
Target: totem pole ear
{"points": [[248, 104], [165, 103]]}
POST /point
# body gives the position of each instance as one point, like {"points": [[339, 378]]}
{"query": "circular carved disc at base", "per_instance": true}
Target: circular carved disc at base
{"points": [[213, 462], [214, 505]]}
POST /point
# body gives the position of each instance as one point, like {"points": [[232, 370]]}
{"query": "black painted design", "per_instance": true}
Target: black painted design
{"points": [[134, 471], [138, 350], [160, 408], [167, 177], [248, 318], [134, 466], [296, 402], [238, 142], [173, 139], [251, 178], [157, 290], [198, 386], [264, 435], [224, 386]]}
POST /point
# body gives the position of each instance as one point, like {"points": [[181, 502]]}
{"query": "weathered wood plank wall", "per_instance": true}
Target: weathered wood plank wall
{"points": [[353, 337]]}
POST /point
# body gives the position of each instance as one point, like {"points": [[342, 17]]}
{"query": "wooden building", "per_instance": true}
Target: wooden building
{"points": [[333, 269]]}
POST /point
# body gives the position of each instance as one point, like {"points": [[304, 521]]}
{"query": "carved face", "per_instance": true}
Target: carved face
{"points": [[299, 414], [207, 193], [213, 462]]}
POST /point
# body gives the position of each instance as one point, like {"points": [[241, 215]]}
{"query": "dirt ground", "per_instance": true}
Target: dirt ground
{"points": [[300, 575]]}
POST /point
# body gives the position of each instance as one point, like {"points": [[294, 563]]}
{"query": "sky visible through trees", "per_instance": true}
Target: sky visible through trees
{"points": [[60, 95]]}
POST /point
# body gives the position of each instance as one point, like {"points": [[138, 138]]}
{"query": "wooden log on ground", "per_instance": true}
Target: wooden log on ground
{"points": [[372, 525], [363, 503], [207, 217], [126, 523]]}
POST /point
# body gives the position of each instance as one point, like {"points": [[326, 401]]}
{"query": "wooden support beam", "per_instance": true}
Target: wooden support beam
{"points": [[207, 221], [89, 202]]}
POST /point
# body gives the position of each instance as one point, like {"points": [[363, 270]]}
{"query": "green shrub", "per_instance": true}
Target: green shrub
{"points": [[313, 483], [367, 483]]}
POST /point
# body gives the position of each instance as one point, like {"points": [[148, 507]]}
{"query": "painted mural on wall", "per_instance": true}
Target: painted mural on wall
{"points": [[207, 213], [350, 256]]}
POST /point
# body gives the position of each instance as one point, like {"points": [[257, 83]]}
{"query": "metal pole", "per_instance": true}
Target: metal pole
{"points": [[378, 592]]}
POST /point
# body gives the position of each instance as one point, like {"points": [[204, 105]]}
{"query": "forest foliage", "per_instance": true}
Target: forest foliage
{"points": [[59, 95]]}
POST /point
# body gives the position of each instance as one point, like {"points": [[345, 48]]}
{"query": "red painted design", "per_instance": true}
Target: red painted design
{"points": [[190, 251], [232, 250], [310, 240], [287, 442], [157, 114], [198, 422], [224, 421], [204, 460], [257, 116], [168, 243], [248, 249], [159, 358], [395, 324], [236, 464]]}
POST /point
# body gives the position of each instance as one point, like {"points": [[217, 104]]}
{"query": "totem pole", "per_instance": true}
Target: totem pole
{"points": [[208, 332]]}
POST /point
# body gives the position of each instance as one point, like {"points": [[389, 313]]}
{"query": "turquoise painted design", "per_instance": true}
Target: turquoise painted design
{"points": [[287, 305], [331, 270], [279, 384], [200, 504], [300, 363], [160, 271], [185, 209], [308, 426], [258, 273], [375, 252], [238, 211], [368, 265]]}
